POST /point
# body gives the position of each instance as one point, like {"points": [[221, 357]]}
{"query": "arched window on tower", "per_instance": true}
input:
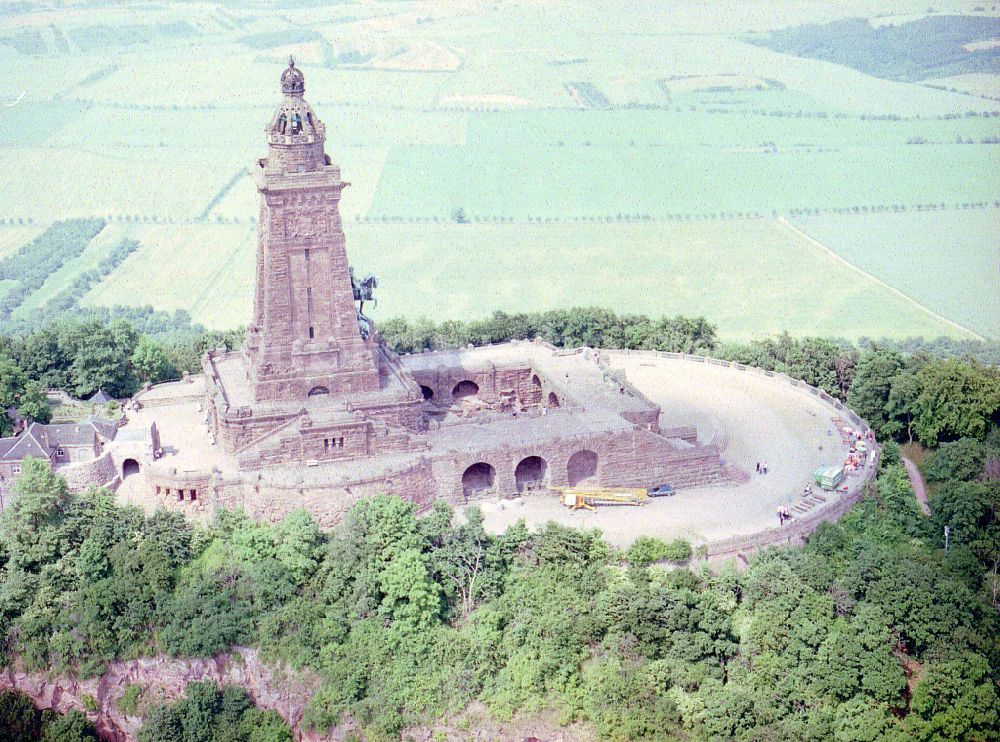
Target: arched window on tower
{"points": [[282, 123], [296, 123], [309, 117]]}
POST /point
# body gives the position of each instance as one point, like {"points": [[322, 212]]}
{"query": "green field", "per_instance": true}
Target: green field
{"points": [[61, 279], [596, 182], [926, 256], [13, 237], [205, 269], [625, 196], [761, 277]]}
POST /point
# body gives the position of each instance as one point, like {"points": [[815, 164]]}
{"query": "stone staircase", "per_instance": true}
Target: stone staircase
{"points": [[735, 474], [721, 440], [809, 502]]}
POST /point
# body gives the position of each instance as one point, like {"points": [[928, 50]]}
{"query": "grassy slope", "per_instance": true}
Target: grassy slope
{"points": [[61, 279], [13, 238]]}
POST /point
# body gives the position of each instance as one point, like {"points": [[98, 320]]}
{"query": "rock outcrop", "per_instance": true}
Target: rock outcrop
{"points": [[284, 690]]}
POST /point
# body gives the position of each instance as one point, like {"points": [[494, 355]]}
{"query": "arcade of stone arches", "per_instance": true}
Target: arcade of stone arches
{"points": [[530, 474]]}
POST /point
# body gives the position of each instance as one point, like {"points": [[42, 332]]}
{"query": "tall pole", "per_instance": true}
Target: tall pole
{"points": [[947, 534]]}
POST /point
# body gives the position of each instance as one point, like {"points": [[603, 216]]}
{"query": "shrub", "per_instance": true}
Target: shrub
{"points": [[129, 702], [645, 550]]}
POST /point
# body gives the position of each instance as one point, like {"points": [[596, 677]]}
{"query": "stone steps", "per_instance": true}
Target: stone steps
{"points": [[721, 440], [735, 474]]}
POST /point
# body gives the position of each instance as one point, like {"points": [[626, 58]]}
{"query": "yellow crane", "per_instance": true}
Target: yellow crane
{"points": [[585, 498]]}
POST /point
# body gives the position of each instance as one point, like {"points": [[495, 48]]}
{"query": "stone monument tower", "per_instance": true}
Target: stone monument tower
{"points": [[305, 339]]}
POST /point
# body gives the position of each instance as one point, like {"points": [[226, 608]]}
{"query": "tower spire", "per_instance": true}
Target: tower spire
{"points": [[293, 82]]}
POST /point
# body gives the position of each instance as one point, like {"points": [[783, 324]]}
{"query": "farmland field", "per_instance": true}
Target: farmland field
{"points": [[637, 160], [763, 276], [926, 256], [61, 279], [205, 269], [12, 238]]}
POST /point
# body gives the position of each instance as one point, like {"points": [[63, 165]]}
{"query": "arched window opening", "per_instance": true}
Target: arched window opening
{"points": [[129, 467], [282, 123], [553, 400], [427, 392], [582, 468], [531, 474], [296, 123], [316, 390], [478, 479], [465, 388]]}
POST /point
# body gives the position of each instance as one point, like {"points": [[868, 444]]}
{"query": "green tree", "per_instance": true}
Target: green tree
{"points": [[957, 700], [20, 721], [956, 399], [411, 597], [33, 404], [961, 460], [869, 393], [74, 726], [39, 524], [12, 384], [150, 361], [102, 358], [901, 409]]}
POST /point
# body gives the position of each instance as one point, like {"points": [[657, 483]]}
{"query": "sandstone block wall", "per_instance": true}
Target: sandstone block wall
{"points": [[271, 501], [491, 380], [95, 473], [633, 459]]}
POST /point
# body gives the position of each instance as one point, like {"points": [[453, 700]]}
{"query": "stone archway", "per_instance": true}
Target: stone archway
{"points": [[317, 390], [553, 400], [427, 392], [478, 480], [582, 468], [465, 388], [532, 473], [129, 467]]}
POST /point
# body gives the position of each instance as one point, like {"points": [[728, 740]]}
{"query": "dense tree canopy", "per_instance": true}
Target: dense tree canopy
{"points": [[872, 631]]}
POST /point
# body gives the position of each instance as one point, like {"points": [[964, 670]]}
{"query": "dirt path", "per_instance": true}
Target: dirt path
{"points": [[917, 482]]}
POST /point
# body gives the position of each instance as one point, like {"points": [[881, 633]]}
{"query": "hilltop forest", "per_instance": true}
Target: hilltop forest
{"points": [[872, 631]]}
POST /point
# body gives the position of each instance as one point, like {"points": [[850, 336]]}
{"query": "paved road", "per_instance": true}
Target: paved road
{"points": [[917, 482]]}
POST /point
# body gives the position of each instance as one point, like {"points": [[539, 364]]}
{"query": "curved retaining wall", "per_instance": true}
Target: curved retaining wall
{"points": [[795, 532], [82, 475]]}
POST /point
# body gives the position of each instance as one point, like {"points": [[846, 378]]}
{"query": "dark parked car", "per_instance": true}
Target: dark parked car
{"points": [[660, 490]]}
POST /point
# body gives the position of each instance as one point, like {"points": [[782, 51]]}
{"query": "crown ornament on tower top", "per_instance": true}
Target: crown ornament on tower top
{"points": [[293, 82]]}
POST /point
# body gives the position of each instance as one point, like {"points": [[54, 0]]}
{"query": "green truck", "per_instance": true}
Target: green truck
{"points": [[829, 477]]}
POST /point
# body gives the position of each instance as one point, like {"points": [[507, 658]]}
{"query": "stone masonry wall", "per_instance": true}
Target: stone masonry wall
{"points": [[85, 474], [270, 501], [490, 379], [631, 459]]}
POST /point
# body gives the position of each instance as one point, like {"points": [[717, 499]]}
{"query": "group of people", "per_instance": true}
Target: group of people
{"points": [[783, 515], [762, 467], [860, 444]]}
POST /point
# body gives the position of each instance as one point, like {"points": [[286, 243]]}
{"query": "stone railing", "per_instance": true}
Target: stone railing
{"points": [[796, 531]]}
